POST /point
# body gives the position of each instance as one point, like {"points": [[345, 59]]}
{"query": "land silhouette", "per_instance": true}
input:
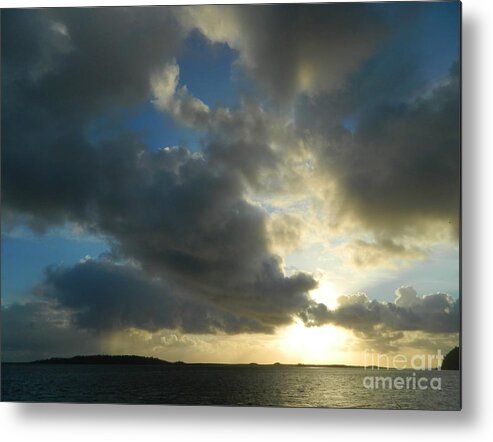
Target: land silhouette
{"points": [[451, 361], [146, 360], [105, 359]]}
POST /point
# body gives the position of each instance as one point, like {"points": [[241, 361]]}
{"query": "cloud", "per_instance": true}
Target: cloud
{"points": [[36, 330], [39, 330], [98, 59], [396, 173], [106, 297], [215, 244], [249, 140], [185, 108], [383, 252], [182, 216], [56, 84], [285, 232], [434, 313], [293, 48]]}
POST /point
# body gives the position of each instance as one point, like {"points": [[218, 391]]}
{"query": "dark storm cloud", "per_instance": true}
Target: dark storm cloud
{"points": [[188, 222], [412, 159], [60, 68], [80, 60], [399, 167], [389, 141], [104, 297], [291, 48], [435, 313], [36, 330], [183, 217]]}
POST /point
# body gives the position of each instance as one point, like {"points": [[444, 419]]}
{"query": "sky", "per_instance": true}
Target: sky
{"points": [[231, 183]]}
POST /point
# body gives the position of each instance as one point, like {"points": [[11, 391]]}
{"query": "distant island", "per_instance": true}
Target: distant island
{"points": [[452, 360], [146, 360], [105, 359]]}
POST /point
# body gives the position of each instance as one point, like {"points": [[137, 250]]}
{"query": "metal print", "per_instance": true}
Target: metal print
{"points": [[252, 205]]}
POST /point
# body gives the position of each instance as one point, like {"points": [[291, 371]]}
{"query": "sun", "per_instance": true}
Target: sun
{"points": [[326, 344], [314, 345], [325, 293]]}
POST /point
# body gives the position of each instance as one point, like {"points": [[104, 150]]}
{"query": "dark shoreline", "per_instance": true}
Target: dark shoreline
{"points": [[151, 361]]}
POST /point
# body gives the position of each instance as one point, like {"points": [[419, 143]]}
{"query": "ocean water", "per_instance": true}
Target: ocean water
{"points": [[278, 386]]}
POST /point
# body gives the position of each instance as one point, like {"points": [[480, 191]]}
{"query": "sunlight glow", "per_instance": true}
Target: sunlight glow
{"points": [[305, 76], [325, 293], [315, 345]]}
